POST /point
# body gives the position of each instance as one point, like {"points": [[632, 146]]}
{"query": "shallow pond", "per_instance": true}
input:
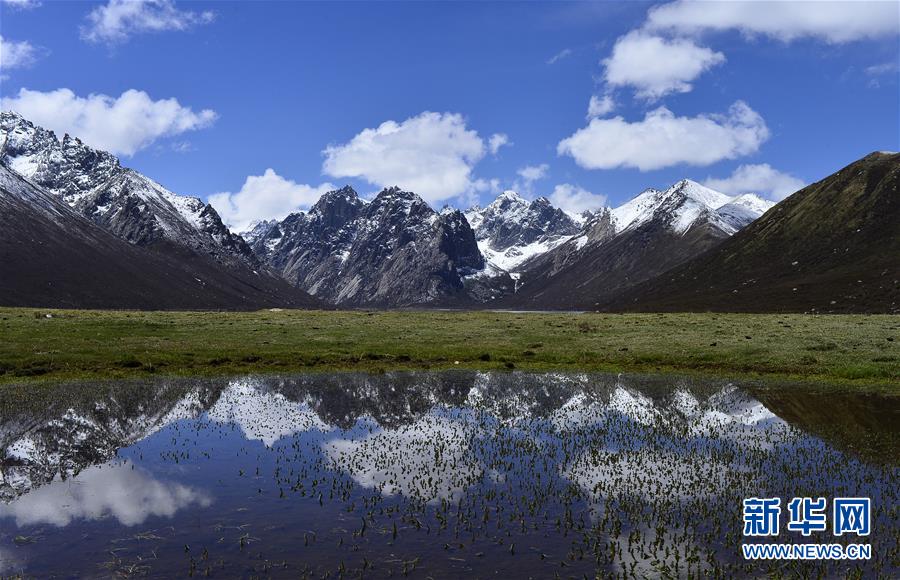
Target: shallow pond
{"points": [[432, 475]]}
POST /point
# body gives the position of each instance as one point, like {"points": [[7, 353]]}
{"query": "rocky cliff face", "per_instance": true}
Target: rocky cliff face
{"points": [[123, 201], [392, 251], [510, 230]]}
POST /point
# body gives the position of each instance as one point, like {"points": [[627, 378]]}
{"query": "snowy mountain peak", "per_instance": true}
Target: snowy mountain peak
{"points": [[511, 229], [687, 203], [693, 190], [123, 201], [509, 196]]}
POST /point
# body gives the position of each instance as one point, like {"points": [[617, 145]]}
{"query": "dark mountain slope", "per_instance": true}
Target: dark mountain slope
{"points": [[833, 246], [392, 251], [51, 256]]}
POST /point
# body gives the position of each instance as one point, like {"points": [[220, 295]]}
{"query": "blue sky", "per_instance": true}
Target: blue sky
{"points": [[292, 87]]}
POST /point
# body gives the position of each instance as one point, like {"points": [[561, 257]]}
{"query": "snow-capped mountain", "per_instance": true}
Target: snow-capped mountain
{"points": [[623, 246], [42, 445], [131, 205], [77, 230], [830, 247], [393, 251], [688, 203], [511, 229]]}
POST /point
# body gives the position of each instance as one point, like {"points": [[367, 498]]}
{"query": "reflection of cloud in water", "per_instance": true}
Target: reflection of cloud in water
{"points": [[261, 415], [429, 459], [10, 562], [116, 490]]}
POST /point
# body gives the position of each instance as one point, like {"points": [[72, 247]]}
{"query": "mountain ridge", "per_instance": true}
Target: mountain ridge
{"points": [[833, 246]]}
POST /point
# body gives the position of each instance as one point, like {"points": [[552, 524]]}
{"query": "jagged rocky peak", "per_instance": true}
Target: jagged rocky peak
{"points": [[512, 220], [257, 229], [68, 168], [458, 241], [122, 200], [394, 250], [338, 206], [394, 201]]}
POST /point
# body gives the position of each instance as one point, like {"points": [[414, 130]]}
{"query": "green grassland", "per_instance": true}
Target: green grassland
{"points": [[850, 350]]}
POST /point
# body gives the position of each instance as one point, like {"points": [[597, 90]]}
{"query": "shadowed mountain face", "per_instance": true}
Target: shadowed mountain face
{"points": [[52, 256], [78, 230], [833, 246], [392, 251]]}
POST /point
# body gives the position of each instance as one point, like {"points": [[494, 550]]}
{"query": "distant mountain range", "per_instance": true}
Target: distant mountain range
{"points": [[80, 230]]}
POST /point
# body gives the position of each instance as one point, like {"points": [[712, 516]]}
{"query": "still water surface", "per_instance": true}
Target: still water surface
{"points": [[431, 475]]}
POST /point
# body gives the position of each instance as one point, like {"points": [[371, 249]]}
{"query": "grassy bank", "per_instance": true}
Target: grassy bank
{"points": [[847, 350]]}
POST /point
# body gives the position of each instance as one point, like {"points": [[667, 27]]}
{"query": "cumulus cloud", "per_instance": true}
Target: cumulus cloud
{"points": [[117, 491], [496, 141], [600, 106], [655, 66], [761, 178], [264, 197], [17, 54], [662, 140], [559, 56], [431, 154], [834, 22], [533, 172], [575, 199], [118, 20], [121, 125]]}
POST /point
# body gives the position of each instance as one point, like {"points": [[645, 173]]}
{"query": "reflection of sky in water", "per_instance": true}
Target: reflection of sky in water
{"points": [[120, 491], [606, 462]]}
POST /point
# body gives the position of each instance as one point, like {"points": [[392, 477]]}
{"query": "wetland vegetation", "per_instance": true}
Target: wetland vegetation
{"points": [[49, 345], [431, 474]]}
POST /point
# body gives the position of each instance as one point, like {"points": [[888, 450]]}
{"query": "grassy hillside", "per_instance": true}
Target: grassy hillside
{"points": [[842, 349], [833, 246]]}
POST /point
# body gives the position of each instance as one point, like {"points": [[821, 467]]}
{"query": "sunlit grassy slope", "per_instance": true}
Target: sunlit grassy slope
{"points": [[845, 349]]}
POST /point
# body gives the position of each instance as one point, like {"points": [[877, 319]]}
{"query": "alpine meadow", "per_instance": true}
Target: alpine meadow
{"points": [[442, 290]]}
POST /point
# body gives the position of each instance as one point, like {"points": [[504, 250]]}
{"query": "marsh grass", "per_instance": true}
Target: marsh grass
{"points": [[853, 350]]}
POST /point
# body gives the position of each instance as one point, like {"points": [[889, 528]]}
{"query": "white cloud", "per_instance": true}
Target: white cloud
{"points": [[574, 199], [762, 179], [431, 154], [559, 56], [883, 69], [116, 21], [121, 125], [496, 141], [103, 492], [15, 54], [655, 66], [600, 106], [533, 172], [22, 4], [662, 140], [264, 197], [834, 22]]}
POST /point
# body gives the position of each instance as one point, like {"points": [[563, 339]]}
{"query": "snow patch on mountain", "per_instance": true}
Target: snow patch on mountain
{"points": [[511, 230], [687, 203]]}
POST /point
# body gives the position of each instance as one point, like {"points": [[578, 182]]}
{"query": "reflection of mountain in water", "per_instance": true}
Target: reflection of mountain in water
{"points": [[388, 431], [39, 445]]}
